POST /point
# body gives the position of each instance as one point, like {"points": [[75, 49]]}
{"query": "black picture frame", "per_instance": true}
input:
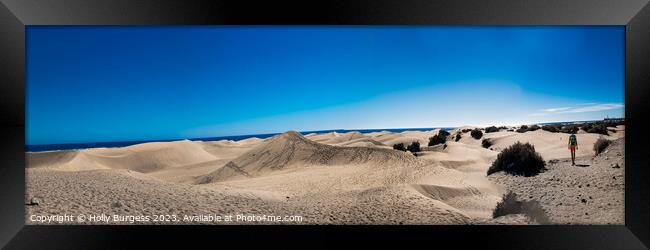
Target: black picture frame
{"points": [[15, 15]]}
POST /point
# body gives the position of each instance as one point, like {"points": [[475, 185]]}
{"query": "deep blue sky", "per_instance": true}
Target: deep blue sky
{"points": [[92, 84]]}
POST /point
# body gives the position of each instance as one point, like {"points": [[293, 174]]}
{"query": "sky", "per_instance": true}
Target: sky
{"points": [[112, 83]]}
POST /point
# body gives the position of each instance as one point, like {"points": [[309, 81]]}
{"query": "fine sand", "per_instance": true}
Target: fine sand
{"points": [[330, 178]]}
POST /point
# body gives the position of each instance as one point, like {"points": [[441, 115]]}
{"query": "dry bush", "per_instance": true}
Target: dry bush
{"points": [[399, 146], [491, 129], [440, 138], [518, 159], [486, 143], [476, 133], [553, 128], [569, 129], [414, 147], [600, 145], [533, 128]]}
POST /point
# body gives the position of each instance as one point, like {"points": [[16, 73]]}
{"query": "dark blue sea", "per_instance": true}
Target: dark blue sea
{"points": [[51, 147]]}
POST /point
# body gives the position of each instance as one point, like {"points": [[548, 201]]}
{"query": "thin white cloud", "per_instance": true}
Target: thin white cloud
{"points": [[580, 108], [555, 110], [594, 108]]}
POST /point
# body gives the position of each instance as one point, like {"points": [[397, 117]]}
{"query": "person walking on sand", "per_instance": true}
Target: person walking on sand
{"points": [[573, 146]]}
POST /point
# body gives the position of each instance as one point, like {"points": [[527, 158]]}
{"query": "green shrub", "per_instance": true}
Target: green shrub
{"points": [[533, 128], [486, 143], [414, 147], [466, 130], [518, 159], [569, 129], [553, 128], [476, 133], [439, 138], [458, 136], [522, 129], [598, 129], [525, 128], [600, 145], [399, 146], [611, 123], [491, 129]]}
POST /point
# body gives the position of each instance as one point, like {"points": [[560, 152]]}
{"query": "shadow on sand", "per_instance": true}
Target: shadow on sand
{"points": [[510, 204]]}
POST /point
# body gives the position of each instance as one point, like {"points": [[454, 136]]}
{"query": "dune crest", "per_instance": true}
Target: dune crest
{"points": [[291, 149], [144, 158]]}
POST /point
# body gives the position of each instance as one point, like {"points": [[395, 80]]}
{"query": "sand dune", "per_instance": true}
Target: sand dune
{"points": [[362, 142], [322, 137], [188, 173], [467, 200], [375, 134], [291, 149], [50, 158], [406, 137], [330, 178], [146, 157], [69, 160], [229, 149], [336, 138]]}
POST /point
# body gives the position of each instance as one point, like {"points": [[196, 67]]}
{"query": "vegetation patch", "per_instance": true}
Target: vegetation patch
{"points": [[414, 147], [439, 138], [491, 129], [399, 146], [600, 145], [569, 129], [525, 128], [518, 159], [599, 128], [476, 133], [553, 128], [522, 129], [533, 127], [486, 143]]}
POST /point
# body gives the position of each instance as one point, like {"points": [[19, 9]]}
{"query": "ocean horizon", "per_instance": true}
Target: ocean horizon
{"points": [[114, 144]]}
